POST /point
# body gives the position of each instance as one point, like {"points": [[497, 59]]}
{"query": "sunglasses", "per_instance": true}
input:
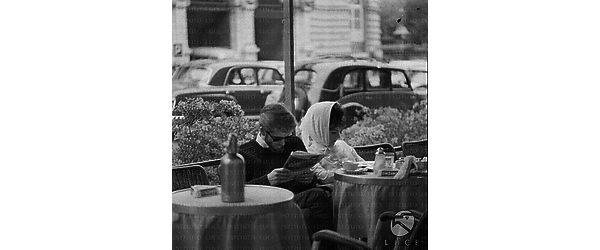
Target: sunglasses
{"points": [[277, 138]]}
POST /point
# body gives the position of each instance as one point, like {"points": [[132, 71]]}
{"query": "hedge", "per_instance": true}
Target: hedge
{"points": [[389, 125], [201, 131]]}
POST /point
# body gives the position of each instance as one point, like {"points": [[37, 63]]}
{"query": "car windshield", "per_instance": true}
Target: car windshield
{"points": [[193, 74]]}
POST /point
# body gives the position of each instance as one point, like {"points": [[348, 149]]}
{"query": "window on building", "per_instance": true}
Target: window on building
{"points": [[357, 25], [357, 18]]}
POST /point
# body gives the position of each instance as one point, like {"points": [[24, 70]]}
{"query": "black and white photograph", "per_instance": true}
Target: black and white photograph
{"points": [[299, 124]]}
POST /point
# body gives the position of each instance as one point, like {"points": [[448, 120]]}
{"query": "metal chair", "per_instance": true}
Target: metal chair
{"points": [[415, 148], [212, 170], [187, 175], [417, 236], [368, 152], [398, 151]]}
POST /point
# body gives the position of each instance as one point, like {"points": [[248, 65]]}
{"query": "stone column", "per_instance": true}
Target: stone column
{"points": [[304, 49], [373, 28], [242, 28], [181, 49]]}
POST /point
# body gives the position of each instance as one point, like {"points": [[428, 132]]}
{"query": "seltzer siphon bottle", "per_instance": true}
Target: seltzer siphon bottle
{"points": [[232, 172]]}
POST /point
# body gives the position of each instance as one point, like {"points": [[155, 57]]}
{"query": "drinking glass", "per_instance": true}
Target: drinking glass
{"points": [[389, 160]]}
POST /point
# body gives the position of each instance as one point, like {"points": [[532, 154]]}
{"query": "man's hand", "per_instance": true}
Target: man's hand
{"points": [[306, 177], [278, 175]]}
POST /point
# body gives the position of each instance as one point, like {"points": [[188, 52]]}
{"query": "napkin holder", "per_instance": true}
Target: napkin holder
{"points": [[198, 191], [388, 172]]}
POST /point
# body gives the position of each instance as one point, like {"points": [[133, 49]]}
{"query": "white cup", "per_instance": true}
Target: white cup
{"points": [[350, 165]]}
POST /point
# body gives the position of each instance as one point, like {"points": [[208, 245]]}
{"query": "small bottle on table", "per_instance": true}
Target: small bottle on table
{"points": [[379, 161]]}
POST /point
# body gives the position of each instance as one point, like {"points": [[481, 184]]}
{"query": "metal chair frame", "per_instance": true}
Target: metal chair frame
{"points": [[367, 152], [187, 175]]}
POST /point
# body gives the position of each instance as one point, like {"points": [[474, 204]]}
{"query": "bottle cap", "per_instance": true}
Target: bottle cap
{"points": [[380, 151], [232, 147]]}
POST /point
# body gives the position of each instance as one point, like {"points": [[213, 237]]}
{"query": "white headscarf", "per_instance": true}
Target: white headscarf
{"points": [[315, 124]]}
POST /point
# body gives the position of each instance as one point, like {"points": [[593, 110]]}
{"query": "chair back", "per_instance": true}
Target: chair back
{"points": [[368, 152], [415, 148], [338, 240], [398, 151], [187, 175], [212, 170]]}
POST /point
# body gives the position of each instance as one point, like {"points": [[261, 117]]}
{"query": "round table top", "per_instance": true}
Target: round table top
{"points": [[370, 178], [258, 200]]}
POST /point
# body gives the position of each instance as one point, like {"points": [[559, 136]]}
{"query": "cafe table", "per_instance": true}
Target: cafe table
{"points": [[359, 199], [267, 219]]}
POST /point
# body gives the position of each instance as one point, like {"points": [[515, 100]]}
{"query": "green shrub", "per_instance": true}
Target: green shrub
{"points": [[389, 125], [201, 134]]}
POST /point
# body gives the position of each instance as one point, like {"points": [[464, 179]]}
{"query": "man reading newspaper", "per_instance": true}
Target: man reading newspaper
{"points": [[266, 156]]}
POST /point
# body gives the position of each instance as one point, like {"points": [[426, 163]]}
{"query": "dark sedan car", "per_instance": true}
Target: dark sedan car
{"points": [[354, 83], [250, 84]]}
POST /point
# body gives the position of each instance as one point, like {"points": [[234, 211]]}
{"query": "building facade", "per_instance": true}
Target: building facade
{"points": [[254, 28]]}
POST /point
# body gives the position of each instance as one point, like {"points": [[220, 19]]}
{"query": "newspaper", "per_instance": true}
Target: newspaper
{"points": [[300, 162]]}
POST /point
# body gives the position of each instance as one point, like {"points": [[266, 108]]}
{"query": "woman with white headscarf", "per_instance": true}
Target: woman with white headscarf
{"points": [[321, 128]]}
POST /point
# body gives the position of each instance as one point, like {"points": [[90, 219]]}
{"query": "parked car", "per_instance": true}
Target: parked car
{"points": [[279, 65], [250, 84], [355, 83], [417, 73]]}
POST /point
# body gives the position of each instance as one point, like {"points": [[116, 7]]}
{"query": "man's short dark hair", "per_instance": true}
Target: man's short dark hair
{"points": [[277, 117]]}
